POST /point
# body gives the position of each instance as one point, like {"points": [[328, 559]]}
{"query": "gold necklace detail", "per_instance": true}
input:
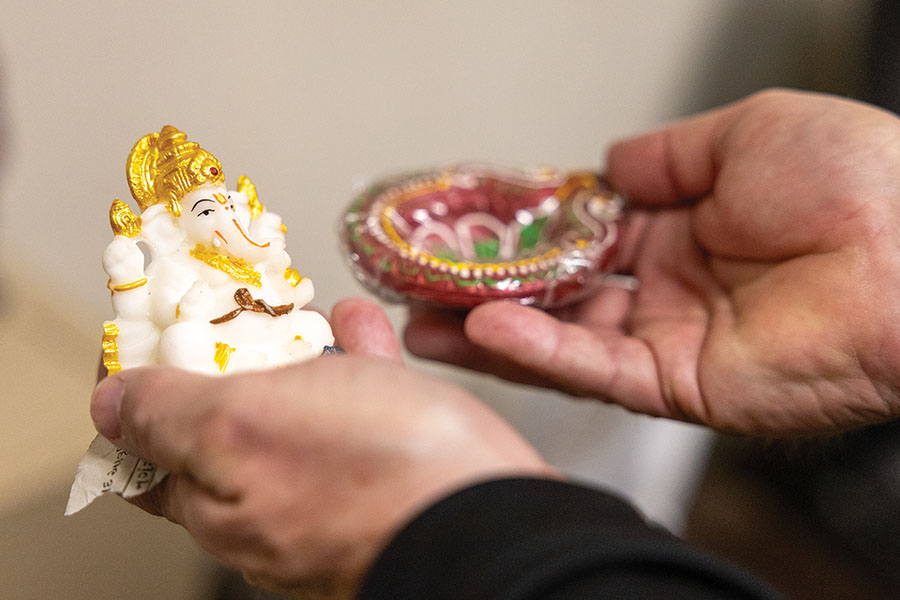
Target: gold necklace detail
{"points": [[234, 267]]}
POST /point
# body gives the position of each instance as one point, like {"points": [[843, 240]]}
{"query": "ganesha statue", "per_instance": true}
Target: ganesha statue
{"points": [[200, 280], [218, 293]]}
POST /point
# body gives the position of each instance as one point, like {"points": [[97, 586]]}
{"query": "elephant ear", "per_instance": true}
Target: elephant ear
{"points": [[141, 170], [245, 186], [161, 231]]}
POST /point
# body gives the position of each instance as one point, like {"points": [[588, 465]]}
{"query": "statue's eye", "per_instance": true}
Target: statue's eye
{"points": [[206, 212]]}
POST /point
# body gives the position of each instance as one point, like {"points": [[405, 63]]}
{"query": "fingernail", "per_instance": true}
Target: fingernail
{"points": [[106, 404]]}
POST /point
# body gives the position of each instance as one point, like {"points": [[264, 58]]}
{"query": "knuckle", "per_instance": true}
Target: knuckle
{"points": [[138, 404], [218, 433], [227, 427], [772, 95], [222, 523]]}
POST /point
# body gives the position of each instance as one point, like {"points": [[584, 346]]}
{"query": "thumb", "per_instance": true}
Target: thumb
{"points": [[603, 364], [674, 164], [154, 412]]}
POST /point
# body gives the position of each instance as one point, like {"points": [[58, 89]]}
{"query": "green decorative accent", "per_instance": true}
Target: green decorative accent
{"points": [[530, 236], [488, 248], [431, 277], [367, 249], [357, 204], [580, 228], [408, 269], [466, 282], [446, 253], [385, 265]]}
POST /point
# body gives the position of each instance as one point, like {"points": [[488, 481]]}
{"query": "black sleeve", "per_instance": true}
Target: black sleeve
{"points": [[521, 539]]}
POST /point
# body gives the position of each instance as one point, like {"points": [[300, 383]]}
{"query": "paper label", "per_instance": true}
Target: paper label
{"points": [[107, 468]]}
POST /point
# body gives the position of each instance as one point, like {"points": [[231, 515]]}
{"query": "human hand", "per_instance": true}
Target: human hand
{"points": [[298, 476], [765, 238]]}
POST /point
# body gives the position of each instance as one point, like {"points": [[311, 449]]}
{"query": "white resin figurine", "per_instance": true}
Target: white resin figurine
{"points": [[217, 294]]}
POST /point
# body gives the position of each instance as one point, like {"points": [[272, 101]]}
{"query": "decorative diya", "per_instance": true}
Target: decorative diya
{"points": [[468, 234]]}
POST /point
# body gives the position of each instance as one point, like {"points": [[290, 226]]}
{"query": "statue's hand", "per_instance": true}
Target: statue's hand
{"points": [[123, 261], [303, 293], [278, 260]]}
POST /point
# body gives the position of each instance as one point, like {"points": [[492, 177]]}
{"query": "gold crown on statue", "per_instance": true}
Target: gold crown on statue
{"points": [[163, 167]]}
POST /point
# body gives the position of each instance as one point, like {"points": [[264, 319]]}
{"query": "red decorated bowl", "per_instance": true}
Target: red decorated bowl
{"points": [[468, 234]]}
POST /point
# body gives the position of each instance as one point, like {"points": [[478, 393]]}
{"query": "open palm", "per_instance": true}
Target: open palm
{"points": [[764, 237]]}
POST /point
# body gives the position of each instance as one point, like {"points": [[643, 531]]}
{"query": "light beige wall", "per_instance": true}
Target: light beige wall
{"points": [[309, 98], [109, 551]]}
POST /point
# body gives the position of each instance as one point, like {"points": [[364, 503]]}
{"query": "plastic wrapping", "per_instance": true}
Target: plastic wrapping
{"points": [[464, 235]]}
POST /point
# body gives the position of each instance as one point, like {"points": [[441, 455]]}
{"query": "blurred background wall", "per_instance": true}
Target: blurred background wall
{"points": [[311, 99]]}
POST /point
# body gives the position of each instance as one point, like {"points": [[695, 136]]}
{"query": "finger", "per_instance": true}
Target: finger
{"points": [[101, 369], [604, 364], [212, 520], [157, 499], [361, 327], [608, 307], [672, 165], [438, 335]]}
